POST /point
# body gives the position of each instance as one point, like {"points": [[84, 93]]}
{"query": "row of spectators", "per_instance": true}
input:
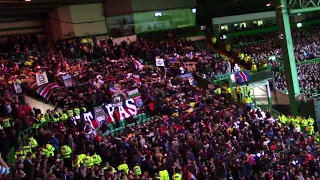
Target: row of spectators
{"points": [[197, 134], [305, 48], [305, 44]]}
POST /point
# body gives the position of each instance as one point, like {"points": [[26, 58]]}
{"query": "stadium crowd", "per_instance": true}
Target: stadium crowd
{"points": [[192, 133], [305, 48], [305, 45]]}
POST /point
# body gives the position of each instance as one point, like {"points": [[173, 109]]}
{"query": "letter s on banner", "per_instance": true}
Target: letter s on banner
{"points": [[131, 107]]}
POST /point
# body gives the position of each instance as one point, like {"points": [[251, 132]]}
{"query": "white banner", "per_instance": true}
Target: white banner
{"points": [[42, 79], [17, 87], [159, 62]]}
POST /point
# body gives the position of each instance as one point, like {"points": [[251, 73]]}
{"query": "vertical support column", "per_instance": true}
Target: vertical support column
{"points": [[269, 95], [288, 54]]}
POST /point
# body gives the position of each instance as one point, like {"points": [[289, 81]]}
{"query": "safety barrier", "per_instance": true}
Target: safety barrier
{"points": [[24, 135], [138, 119], [249, 43]]}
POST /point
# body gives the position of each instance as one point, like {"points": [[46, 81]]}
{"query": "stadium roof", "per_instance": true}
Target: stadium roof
{"points": [[34, 8], [221, 8]]}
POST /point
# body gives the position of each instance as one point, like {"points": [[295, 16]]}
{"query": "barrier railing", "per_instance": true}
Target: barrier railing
{"points": [[24, 135], [249, 43]]}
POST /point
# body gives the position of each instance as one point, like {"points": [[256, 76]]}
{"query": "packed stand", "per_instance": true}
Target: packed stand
{"points": [[308, 76], [193, 134], [305, 45], [305, 48]]}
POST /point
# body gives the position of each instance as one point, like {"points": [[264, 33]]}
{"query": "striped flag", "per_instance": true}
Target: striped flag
{"points": [[115, 88], [46, 90], [133, 93], [173, 60], [137, 64], [243, 77], [136, 78]]}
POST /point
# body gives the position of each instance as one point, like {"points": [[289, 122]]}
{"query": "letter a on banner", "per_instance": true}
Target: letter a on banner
{"points": [[42, 78]]}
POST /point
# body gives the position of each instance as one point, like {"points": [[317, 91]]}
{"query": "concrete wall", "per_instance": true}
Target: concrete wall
{"points": [[93, 13], [38, 104], [129, 39], [21, 27], [282, 98], [156, 5]]}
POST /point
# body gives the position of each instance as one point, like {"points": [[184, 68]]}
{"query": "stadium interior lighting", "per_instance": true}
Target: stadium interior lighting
{"points": [[299, 25], [27, 0], [157, 14], [194, 10], [268, 4]]}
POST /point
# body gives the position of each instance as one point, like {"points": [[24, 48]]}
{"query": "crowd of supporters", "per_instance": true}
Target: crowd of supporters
{"points": [[192, 133], [305, 44], [267, 49]]}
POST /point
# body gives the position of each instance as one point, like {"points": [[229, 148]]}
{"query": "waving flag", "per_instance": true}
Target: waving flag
{"points": [[133, 93], [46, 90], [136, 78], [243, 77], [137, 64], [173, 60]]}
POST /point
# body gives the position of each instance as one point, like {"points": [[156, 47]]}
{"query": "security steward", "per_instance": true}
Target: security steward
{"points": [[88, 161], [239, 92], [163, 174], [228, 92], [176, 176], [123, 167], [137, 170], [66, 153], [96, 159], [248, 89], [248, 102]]}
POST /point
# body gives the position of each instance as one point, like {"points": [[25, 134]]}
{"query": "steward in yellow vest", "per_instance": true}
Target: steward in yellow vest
{"points": [[108, 167], [33, 142], [20, 152], [228, 47], [77, 111], [164, 175], [218, 91], [48, 150], [56, 117], [96, 159], [123, 167], [248, 89], [81, 158], [253, 67], [304, 122], [214, 40], [239, 91], [310, 121], [88, 161], [65, 151], [228, 92], [177, 176], [70, 113], [7, 122], [64, 116], [137, 170]]}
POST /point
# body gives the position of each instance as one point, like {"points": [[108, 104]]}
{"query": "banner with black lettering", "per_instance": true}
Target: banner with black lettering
{"points": [[123, 110]]}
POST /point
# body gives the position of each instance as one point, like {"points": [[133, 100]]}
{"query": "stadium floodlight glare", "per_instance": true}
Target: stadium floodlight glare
{"points": [[27, 0], [157, 14], [194, 10], [299, 25], [268, 4]]}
